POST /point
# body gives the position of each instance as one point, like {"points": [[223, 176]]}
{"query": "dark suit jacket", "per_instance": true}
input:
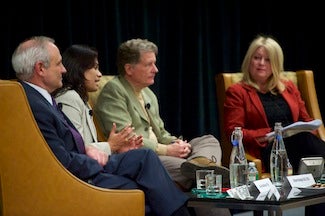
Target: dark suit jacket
{"points": [[61, 142], [59, 137]]}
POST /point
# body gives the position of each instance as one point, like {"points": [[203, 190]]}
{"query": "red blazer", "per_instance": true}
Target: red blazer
{"points": [[244, 108]]}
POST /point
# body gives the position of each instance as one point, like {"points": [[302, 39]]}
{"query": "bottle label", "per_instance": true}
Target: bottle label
{"points": [[252, 177], [290, 171]]}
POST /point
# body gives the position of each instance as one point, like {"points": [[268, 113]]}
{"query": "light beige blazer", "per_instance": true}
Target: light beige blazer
{"points": [[80, 114]]}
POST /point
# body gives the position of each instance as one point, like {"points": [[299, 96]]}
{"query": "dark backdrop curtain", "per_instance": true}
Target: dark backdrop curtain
{"points": [[197, 39]]}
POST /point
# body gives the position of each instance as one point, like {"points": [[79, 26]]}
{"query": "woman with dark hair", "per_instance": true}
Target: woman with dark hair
{"points": [[83, 76]]}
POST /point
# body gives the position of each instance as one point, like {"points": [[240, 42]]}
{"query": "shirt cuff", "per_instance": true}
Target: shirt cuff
{"points": [[161, 149]]}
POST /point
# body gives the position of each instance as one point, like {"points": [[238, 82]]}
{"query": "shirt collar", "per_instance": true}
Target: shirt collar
{"points": [[42, 91]]}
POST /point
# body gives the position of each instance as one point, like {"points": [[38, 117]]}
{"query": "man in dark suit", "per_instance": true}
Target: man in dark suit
{"points": [[38, 65]]}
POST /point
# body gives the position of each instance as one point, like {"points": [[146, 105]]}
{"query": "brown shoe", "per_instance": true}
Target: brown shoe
{"points": [[188, 169]]}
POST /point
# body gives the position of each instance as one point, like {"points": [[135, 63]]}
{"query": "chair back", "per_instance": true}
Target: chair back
{"points": [[34, 182], [92, 101]]}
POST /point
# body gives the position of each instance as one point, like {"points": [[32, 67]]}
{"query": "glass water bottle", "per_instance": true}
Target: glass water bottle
{"points": [[238, 161], [278, 158]]}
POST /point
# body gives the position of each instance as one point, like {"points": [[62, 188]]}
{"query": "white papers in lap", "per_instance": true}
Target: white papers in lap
{"points": [[298, 127]]}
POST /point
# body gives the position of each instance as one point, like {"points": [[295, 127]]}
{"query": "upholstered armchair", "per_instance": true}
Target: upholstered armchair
{"points": [[304, 79], [34, 182]]}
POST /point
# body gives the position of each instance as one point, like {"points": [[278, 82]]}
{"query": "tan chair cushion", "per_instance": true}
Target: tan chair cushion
{"points": [[92, 101]]}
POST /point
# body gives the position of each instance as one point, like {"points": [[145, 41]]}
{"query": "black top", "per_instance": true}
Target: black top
{"points": [[276, 109]]}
